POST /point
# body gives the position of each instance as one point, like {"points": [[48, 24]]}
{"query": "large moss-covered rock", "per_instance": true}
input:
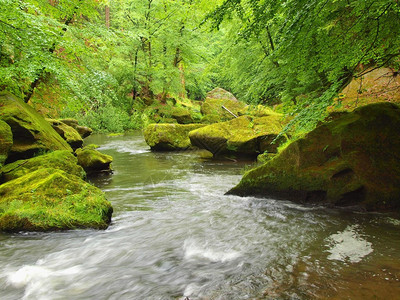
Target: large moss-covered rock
{"points": [[93, 161], [220, 93], [182, 115], [50, 199], [82, 130], [32, 134], [61, 160], [6, 141], [68, 133], [213, 109], [377, 85], [351, 161], [169, 137], [241, 136]]}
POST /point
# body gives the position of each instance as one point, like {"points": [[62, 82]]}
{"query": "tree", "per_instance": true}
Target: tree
{"points": [[35, 42], [304, 52]]}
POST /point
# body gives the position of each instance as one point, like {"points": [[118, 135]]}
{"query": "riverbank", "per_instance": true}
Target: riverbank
{"points": [[178, 235]]}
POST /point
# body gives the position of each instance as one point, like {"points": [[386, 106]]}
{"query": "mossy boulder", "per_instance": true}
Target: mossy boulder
{"points": [[93, 161], [212, 109], [353, 161], [241, 136], [170, 113], [182, 115], [260, 111], [50, 199], [169, 137], [210, 119], [60, 160], [6, 141], [68, 133], [82, 130], [32, 134], [220, 93]]}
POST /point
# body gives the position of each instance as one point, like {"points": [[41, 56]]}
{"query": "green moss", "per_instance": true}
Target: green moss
{"points": [[260, 111], [68, 133], [243, 136], [351, 161], [61, 160], [50, 199], [214, 107], [70, 122], [6, 141], [168, 137], [264, 157], [93, 161], [182, 115], [210, 119], [219, 93], [31, 132], [171, 113]]}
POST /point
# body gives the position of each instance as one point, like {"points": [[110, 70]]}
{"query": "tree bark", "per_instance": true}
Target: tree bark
{"points": [[107, 10]]}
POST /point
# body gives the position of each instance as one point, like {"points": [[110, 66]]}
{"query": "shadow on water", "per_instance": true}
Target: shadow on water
{"points": [[176, 234]]}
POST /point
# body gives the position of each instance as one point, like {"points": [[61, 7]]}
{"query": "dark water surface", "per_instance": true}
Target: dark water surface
{"points": [[175, 234]]}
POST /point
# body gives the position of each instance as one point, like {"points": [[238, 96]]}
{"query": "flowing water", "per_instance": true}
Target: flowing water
{"points": [[175, 234]]}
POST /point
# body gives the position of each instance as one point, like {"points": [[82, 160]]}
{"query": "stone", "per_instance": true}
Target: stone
{"points": [[6, 141], [243, 136], [182, 115], [220, 93], [32, 134], [60, 160], [50, 199], [169, 137], [70, 122], [68, 133], [82, 130], [381, 85], [93, 161], [352, 161], [214, 108]]}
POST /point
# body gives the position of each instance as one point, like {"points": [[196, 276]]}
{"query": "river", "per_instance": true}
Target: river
{"points": [[175, 234]]}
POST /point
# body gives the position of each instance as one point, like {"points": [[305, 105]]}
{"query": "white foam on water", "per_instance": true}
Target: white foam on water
{"points": [[348, 245], [195, 250], [127, 147], [37, 280], [392, 221]]}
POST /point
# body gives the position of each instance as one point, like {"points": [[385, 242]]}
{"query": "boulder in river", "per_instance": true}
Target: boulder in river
{"points": [[220, 93], [212, 108], [32, 134], [60, 160], [169, 137], [50, 199], [353, 161], [93, 161], [82, 130], [68, 133], [6, 141], [244, 135], [182, 115]]}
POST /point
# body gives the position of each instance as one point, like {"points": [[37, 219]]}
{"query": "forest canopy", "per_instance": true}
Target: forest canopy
{"points": [[107, 57]]}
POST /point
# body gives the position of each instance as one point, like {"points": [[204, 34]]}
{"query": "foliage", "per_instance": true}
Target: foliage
{"points": [[303, 52], [299, 53]]}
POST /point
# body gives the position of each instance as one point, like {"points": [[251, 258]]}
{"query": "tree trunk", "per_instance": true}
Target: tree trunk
{"points": [[182, 94], [107, 16]]}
